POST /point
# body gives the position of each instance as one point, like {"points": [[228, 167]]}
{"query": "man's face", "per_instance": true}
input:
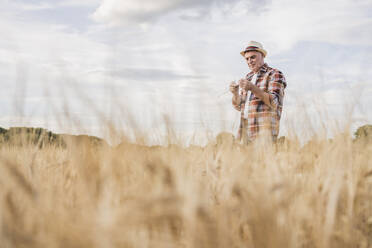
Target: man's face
{"points": [[254, 60]]}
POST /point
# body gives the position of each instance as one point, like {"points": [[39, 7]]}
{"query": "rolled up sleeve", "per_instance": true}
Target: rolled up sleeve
{"points": [[276, 86]]}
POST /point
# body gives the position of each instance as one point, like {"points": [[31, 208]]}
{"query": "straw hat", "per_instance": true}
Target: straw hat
{"points": [[254, 46]]}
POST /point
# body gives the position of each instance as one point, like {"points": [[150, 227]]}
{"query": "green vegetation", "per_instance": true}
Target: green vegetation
{"points": [[364, 133], [41, 137]]}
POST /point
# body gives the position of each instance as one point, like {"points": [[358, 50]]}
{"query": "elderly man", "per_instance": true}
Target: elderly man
{"points": [[259, 97]]}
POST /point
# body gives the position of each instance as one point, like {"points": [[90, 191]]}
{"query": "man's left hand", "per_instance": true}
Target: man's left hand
{"points": [[245, 84]]}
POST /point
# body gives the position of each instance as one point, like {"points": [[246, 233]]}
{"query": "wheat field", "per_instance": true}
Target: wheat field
{"points": [[219, 195]]}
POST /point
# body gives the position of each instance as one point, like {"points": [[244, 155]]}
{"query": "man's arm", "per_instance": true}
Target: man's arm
{"points": [[274, 96], [236, 99], [276, 86], [265, 97]]}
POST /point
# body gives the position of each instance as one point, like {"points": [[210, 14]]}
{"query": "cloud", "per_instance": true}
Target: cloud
{"points": [[34, 6], [41, 57], [280, 23], [148, 74], [26, 5], [335, 21], [117, 12], [86, 3]]}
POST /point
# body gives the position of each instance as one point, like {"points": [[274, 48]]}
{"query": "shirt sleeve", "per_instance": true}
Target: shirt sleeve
{"points": [[276, 86]]}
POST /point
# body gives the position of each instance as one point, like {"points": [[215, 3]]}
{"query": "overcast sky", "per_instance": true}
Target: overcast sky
{"points": [[70, 63]]}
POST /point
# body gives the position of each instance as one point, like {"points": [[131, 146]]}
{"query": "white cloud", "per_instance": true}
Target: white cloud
{"points": [[34, 6], [41, 60], [87, 3], [25, 5], [279, 23], [334, 21], [117, 12]]}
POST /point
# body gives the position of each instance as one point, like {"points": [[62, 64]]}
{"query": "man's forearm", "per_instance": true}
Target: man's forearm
{"points": [[265, 97], [236, 100]]}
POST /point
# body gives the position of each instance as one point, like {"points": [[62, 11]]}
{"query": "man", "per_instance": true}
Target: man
{"points": [[262, 108]]}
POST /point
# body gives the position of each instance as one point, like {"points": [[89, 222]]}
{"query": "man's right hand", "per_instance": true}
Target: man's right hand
{"points": [[234, 88]]}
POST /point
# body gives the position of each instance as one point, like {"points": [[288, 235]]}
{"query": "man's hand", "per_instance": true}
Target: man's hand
{"points": [[236, 100], [249, 86], [234, 88], [245, 85]]}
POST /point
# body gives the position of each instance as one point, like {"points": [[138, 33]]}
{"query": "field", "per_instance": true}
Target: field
{"points": [[219, 195]]}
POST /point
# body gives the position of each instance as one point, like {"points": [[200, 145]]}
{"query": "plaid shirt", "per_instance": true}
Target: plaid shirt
{"points": [[262, 117]]}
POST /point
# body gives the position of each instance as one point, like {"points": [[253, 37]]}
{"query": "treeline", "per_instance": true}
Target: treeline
{"points": [[364, 133], [41, 137]]}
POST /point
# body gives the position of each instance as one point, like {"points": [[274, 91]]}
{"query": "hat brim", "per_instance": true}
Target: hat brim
{"points": [[254, 49]]}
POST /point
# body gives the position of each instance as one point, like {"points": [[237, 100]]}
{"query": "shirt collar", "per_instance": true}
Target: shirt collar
{"points": [[263, 69]]}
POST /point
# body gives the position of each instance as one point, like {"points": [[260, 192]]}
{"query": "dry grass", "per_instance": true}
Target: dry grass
{"points": [[221, 195]]}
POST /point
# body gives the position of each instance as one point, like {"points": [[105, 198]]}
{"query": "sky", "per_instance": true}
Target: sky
{"points": [[85, 66]]}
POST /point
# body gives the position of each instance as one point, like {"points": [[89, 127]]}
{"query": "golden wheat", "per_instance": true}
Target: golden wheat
{"points": [[220, 195]]}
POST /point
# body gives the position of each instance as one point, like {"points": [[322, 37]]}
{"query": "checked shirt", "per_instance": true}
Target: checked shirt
{"points": [[259, 117]]}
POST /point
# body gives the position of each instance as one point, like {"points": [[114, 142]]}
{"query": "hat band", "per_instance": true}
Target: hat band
{"points": [[250, 48]]}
